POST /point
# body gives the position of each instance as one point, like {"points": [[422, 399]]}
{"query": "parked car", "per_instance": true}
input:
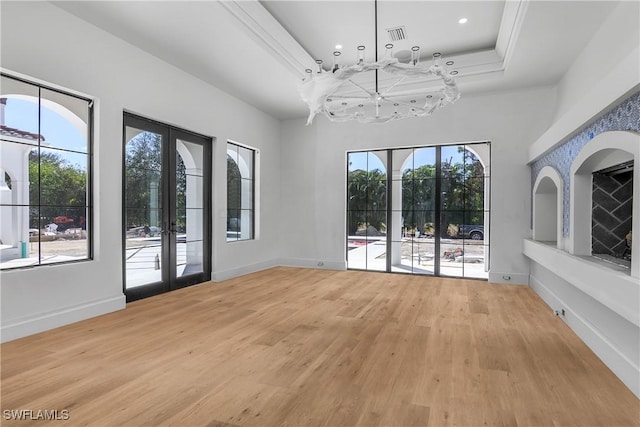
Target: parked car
{"points": [[473, 232]]}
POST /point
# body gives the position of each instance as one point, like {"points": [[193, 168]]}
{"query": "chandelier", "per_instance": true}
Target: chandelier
{"points": [[342, 93]]}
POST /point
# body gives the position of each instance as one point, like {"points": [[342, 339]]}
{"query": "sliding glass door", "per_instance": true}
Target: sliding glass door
{"points": [[166, 213], [437, 220]]}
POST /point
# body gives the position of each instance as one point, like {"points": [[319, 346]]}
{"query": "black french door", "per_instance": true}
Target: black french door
{"points": [[166, 207]]}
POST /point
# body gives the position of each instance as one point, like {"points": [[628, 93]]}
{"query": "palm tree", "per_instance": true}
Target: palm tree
{"points": [[366, 193]]}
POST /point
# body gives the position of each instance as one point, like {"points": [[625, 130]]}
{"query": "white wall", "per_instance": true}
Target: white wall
{"points": [[606, 71], [609, 46], [41, 41], [314, 172]]}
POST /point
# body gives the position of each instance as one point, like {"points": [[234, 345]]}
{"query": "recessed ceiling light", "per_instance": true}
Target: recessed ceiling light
{"points": [[338, 46], [462, 21]]}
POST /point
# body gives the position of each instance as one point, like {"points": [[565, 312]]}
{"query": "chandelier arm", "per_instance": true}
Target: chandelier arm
{"points": [[395, 95], [360, 87], [387, 90], [347, 97]]}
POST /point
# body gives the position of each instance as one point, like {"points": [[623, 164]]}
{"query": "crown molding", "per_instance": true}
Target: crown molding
{"points": [[269, 33]]}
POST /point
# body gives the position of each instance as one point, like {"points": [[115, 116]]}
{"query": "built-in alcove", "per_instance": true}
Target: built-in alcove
{"points": [[612, 213], [547, 207], [603, 210]]}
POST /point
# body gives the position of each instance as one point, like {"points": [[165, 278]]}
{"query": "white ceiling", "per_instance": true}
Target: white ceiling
{"points": [[320, 25], [257, 51]]}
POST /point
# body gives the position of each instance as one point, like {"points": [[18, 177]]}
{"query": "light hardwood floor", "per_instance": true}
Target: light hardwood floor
{"points": [[300, 347]]}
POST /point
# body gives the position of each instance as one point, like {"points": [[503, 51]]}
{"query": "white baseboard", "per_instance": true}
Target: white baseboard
{"points": [[220, 275], [624, 368], [509, 278], [23, 327], [312, 263]]}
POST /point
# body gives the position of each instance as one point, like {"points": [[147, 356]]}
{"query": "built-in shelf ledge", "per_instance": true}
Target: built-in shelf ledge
{"points": [[612, 262], [611, 286]]}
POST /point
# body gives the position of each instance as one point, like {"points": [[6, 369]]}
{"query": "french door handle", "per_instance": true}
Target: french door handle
{"points": [[171, 229]]}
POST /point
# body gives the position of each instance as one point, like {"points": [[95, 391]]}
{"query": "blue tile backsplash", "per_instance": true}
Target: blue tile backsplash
{"points": [[625, 116]]}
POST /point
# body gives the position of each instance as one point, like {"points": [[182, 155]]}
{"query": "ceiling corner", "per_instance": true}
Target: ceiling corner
{"points": [[270, 34]]}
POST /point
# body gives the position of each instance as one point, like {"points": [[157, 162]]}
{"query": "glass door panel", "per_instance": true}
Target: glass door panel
{"points": [[189, 209], [144, 207], [452, 202], [413, 195], [367, 211], [462, 245]]}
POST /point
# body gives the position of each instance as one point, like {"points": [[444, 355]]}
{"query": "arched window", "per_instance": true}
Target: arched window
{"points": [[45, 153], [241, 162]]}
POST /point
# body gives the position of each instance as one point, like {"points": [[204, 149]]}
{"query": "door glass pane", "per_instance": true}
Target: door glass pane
{"points": [[463, 251], [189, 221], [452, 211], [423, 257], [451, 257], [376, 247], [376, 231], [413, 203], [367, 211], [143, 207]]}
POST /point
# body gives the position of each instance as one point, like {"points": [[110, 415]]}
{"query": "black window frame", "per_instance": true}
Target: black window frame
{"points": [[89, 206], [237, 146]]}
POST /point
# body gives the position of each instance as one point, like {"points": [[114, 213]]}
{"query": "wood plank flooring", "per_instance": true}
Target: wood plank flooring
{"points": [[299, 347]]}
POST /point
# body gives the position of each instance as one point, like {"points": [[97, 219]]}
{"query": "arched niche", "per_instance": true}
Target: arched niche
{"points": [[603, 151], [547, 207]]}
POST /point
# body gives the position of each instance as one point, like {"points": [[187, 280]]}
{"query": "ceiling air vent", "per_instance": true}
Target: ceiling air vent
{"points": [[397, 33]]}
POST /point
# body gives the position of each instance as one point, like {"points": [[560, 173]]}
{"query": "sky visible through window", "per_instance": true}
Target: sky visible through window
{"points": [[420, 157], [58, 132]]}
